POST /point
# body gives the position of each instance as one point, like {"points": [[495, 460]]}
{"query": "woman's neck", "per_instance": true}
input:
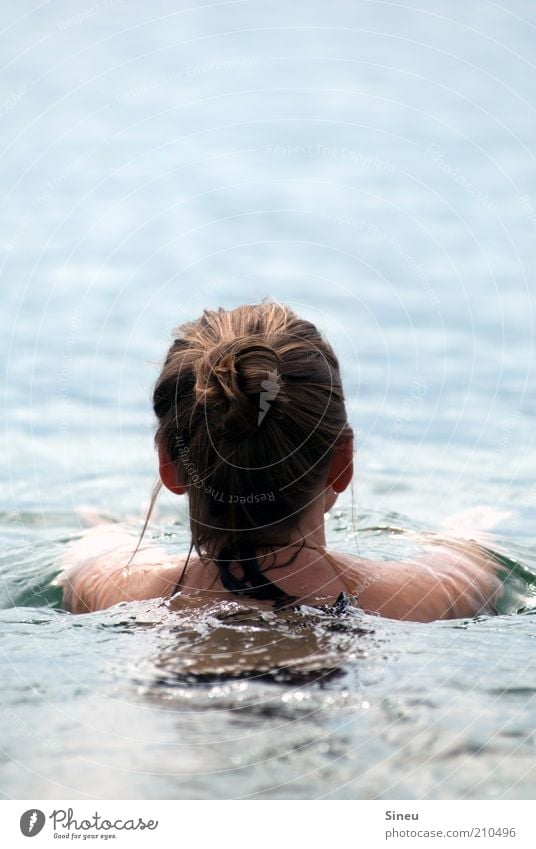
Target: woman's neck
{"points": [[309, 529]]}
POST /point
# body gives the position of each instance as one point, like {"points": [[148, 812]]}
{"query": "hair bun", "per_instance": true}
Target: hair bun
{"points": [[238, 382]]}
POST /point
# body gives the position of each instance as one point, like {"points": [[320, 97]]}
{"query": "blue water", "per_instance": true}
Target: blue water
{"points": [[372, 165]]}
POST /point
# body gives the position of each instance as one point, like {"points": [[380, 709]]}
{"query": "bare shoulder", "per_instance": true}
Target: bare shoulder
{"points": [[100, 571], [449, 579]]}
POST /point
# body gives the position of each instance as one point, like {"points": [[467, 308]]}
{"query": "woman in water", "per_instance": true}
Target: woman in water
{"points": [[252, 428]]}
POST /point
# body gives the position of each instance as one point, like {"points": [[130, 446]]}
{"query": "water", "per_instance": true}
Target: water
{"points": [[372, 165]]}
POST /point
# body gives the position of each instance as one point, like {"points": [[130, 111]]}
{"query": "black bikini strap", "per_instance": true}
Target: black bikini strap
{"points": [[254, 583]]}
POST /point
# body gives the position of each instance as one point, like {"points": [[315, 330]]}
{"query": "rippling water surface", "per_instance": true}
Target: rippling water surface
{"points": [[372, 165]]}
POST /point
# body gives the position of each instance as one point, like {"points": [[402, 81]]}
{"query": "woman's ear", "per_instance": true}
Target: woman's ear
{"points": [[168, 472], [341, 469]]}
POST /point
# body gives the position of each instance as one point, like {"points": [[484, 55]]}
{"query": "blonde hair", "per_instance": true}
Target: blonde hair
{"points": [[249, 407]]}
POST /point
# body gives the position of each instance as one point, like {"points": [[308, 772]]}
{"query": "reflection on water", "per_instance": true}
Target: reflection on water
{"points": [[234, 642]]}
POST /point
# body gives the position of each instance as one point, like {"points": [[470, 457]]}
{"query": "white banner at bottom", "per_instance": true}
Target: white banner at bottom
{"points": [[268, 824]]}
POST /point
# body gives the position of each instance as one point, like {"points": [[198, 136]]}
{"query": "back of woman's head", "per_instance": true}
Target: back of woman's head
{"points": [[250, 408]]}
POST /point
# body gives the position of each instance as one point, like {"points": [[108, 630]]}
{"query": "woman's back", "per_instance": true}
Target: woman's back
{"points": [[448, 579]]}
